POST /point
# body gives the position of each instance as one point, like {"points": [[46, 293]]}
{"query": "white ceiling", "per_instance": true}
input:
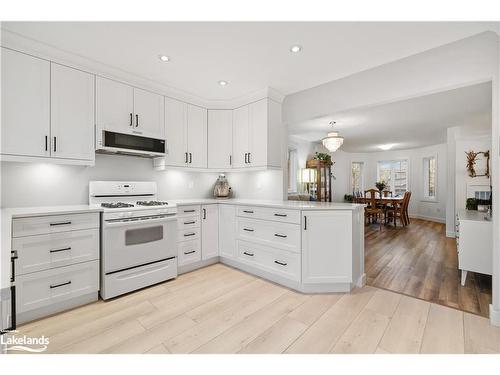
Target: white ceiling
{"points": [[250, 56], [411, 123]]}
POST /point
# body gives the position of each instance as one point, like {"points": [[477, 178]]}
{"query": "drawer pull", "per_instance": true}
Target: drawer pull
{"points": [[58, 250], [189, 234], [280, 263], [281, 215], [187, 211], [248, 211], [249, 254], [280, 235], [248, 229], [58, 285], [189, 252], [189, 222], [60, 223]]}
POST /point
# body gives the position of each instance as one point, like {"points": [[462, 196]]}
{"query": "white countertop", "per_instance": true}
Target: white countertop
{"points": [[6, 216], [294, 205], [473, 215]]}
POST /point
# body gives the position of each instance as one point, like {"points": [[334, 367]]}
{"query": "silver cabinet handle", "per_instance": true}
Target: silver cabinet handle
{"points": [[58, 250], [58, 285]]}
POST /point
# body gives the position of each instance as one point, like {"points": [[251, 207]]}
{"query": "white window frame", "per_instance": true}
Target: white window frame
{"points": [[408, 169], [425, 179], [292, 170], [362, 182]]}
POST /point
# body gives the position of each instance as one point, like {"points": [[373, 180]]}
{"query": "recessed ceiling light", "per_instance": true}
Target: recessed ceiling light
{"points": [[296, 48], [386, 147], [164, 58], [223, 83]]}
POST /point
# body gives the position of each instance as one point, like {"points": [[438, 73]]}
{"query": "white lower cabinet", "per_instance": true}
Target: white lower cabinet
{"points": [[227, 231], [189, 252], [209, 231]]}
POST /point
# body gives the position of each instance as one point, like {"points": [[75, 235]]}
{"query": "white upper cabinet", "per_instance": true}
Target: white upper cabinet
{"points": [[240, 137], [220, 139], [257, 135], [197, 136], [115, 106], [72, 113], [149, 114], [176, 133], [125, 109], [25, 105]]}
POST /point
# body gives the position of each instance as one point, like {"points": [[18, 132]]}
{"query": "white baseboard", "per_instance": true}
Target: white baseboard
{"points": [[451, 234], [494, 316], [429, 218]]}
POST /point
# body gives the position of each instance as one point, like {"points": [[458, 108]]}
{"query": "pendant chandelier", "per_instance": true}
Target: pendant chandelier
{"points": [[333, 140]]}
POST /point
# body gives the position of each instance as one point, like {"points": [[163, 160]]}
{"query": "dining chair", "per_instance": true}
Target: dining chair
{"points": [[373, 210], [399, 211], [406, 202]]}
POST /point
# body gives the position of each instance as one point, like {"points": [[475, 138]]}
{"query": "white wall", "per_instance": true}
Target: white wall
{"points": [[40, 184]]}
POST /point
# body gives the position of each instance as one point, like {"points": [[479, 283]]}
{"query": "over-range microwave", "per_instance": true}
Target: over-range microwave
{"points": [[130, 144]]}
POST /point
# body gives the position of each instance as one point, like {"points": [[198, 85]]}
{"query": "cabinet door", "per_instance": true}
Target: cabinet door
{"points": [[209, 231], [25, 104], [175, 132], [149, 114], [257, 128], [326, 247], [115, 106], [72, 113], [227, 231], [220, 139], [240, 137], [197, 136]]}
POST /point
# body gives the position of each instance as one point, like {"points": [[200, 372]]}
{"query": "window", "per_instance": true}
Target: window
{"points": [[357, 183], [429, 178], [395, 175], [292, 170]]}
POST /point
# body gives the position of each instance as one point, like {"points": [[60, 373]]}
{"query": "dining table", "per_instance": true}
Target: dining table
{"points": [[383, 201]]}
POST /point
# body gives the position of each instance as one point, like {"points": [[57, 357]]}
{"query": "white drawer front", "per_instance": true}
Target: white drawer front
{"points": [[282, 235], [30, 226], [276, 261], [42, 252], [40, 289], [189, 252], [188, 222], [267, 213], [188, 234], [193, 210]]}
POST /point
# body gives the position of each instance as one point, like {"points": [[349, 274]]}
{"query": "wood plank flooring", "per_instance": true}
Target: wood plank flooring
{"points": [[420, 261], [218, 309]]}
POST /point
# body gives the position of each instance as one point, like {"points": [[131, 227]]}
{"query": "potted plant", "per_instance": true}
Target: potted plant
{"points": [[380, 185], [323, 156]]}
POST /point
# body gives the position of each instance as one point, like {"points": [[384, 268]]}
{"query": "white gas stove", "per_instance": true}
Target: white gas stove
{"points": [[138, 236]]}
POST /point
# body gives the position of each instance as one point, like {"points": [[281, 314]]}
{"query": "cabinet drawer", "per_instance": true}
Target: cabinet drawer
{"points": [[30, 226], [282, 235], [44, 288], [43, 252], [189, 252], [193, 210], [276, 261], [188, 222], [273, 214], [188, 234]]}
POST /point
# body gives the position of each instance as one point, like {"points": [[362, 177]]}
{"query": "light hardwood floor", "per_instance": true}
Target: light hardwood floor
{"points": [[420, 261], [218, 309]]}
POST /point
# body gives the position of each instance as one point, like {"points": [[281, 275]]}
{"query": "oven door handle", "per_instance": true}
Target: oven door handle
{"points": [[120, 223]]}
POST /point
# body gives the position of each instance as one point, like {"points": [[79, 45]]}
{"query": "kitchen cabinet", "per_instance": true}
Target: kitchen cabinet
{"points": [[257, 135], [220, 139], [188, 235], [72, 113], [126, 109], [25, 105], [186, 134], [209, 231], [326, 247], [227, 231]]}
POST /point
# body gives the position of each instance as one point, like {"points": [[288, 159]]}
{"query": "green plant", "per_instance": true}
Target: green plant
{"points": [[471, 204], [380, 185], [348, 198], [323, 156]]}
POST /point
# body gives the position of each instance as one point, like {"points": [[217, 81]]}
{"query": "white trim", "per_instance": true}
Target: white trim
{"points": [[425, 197], [451, 234], [494, 316], [429, 218], [408, 169]]}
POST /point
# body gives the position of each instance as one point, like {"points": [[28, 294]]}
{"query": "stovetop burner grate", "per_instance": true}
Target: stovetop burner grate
{"points": [[151, 203], [116, 205]]}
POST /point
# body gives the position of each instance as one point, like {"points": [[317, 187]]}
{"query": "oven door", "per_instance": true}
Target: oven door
{"points": [[130, 243]]}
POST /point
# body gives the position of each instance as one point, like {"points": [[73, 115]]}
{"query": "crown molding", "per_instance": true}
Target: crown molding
{"points": [[42, 50]]}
